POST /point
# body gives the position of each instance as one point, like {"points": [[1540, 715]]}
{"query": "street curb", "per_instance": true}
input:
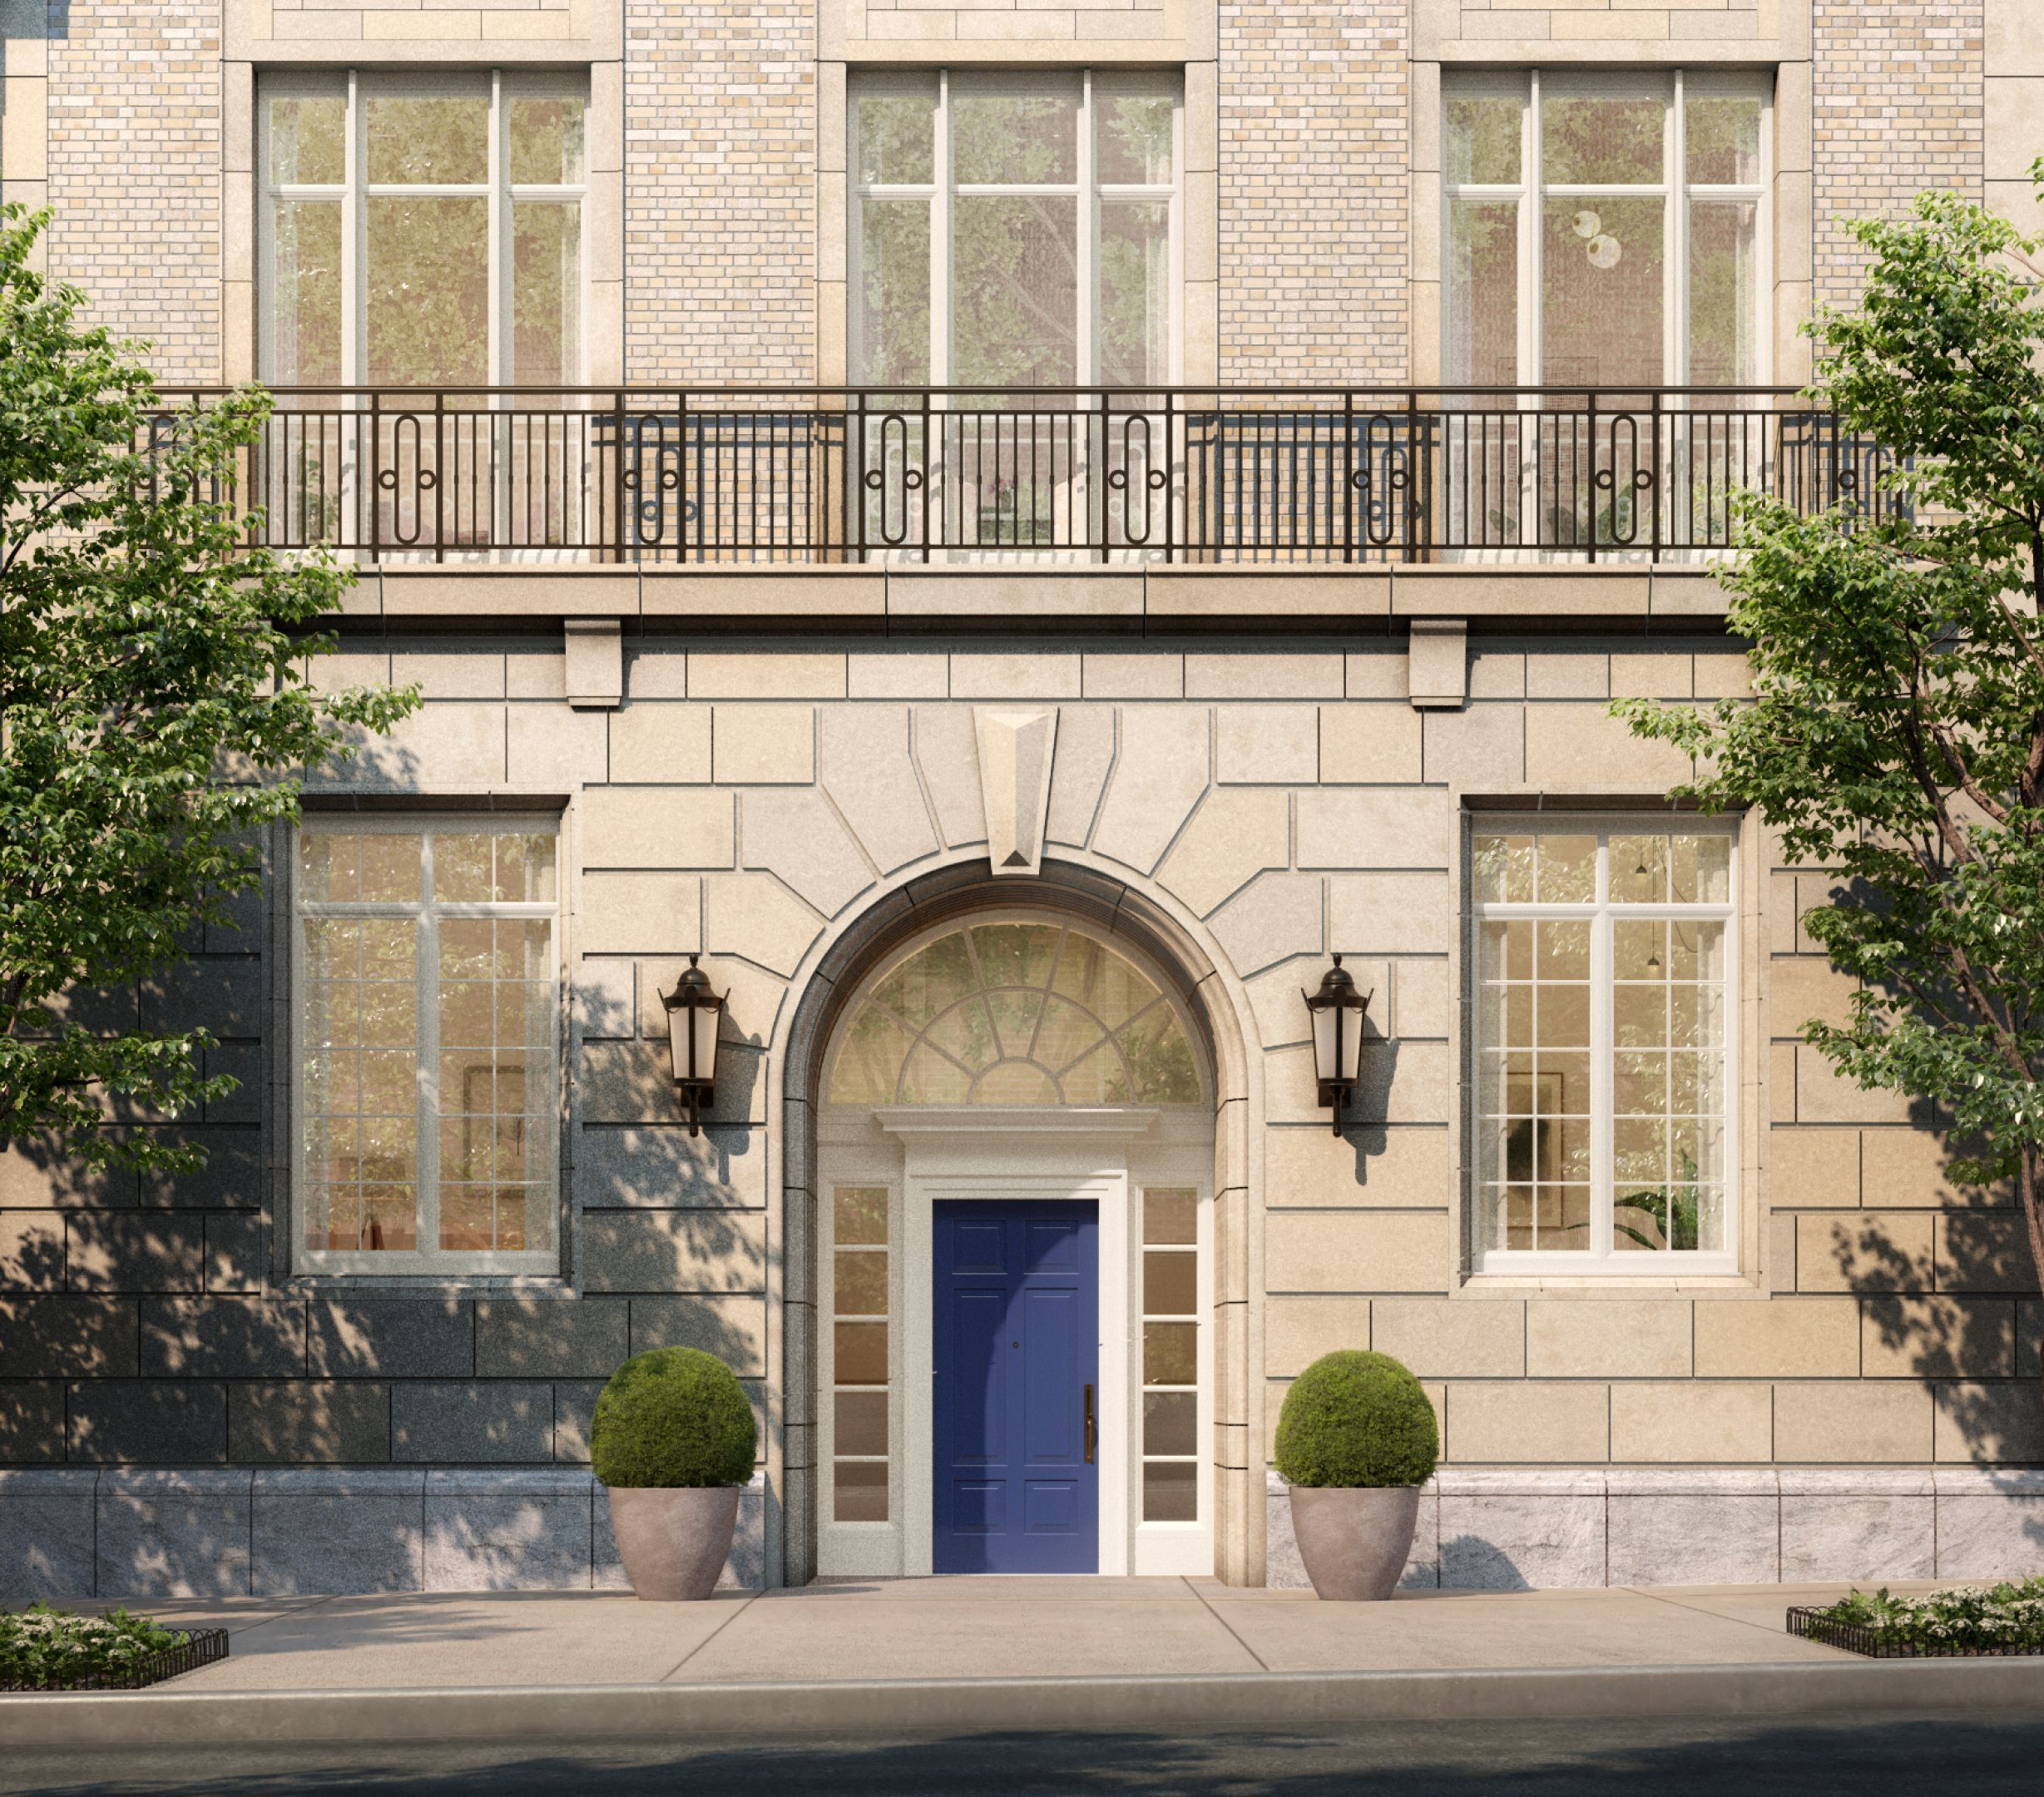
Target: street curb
{"points": [[1203, 1704]]}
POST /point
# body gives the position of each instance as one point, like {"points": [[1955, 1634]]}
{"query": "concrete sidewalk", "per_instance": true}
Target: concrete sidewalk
{"points": [[942, 1654], [976, 1628]]}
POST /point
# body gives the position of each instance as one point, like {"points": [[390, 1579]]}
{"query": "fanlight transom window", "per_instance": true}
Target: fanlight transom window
{"points": [[1014, 1013]]}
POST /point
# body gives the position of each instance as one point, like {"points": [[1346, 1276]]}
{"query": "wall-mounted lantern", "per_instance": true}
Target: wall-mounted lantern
{"points": [[1337, 1010], [693, 1013]]}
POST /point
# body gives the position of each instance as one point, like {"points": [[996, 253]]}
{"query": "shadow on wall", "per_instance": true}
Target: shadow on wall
{"points": [[1474, 1563], [672, 1220], [388, 762], [1949, 1300], [360, 1440]]}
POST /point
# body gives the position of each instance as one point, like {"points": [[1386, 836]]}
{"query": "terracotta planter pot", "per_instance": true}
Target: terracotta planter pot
{"points": [[1354, 1543], [673, 1542]]}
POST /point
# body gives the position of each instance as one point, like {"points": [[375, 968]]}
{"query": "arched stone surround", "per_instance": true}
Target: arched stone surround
{"points": [[1109, 904]]}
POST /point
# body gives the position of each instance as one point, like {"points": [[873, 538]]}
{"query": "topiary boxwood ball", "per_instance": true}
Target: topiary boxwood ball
{"points": [[1355, 1418], [673, 1417]]}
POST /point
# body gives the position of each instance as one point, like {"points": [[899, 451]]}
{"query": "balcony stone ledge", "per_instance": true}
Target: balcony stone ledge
{"points": [[1060, 598]]}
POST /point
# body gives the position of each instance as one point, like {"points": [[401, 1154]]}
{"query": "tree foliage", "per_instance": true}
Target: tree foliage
{"points": [[154, 704], [1896, 731]]}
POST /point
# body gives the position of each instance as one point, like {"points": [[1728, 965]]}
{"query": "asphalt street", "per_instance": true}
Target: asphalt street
{"points": [[1851, 1756]]}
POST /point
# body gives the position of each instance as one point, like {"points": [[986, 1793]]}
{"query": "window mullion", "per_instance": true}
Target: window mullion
{"points": [[940, 245], [1601, 1061], [1675, 354], [1531, 332], [353, 271], [429, 1061], [499, 231], [1088, 223]]}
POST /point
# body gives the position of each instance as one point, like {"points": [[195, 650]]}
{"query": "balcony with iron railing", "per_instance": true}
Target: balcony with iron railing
{"points": [[1504, 477]]}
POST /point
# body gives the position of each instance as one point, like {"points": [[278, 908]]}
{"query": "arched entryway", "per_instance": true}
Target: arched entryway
{"points": [[1002, 1281]]}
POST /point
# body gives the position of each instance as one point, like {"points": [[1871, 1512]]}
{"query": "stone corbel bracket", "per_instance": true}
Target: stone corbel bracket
{"points": [[1437, 664], [596, 663]]}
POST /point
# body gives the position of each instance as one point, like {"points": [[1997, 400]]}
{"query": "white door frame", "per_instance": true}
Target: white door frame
{"points": [[992, 1153]]}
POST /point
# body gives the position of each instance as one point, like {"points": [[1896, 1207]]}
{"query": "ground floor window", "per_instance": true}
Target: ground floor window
{"points": [[426, 1028], [1603, 1056]]}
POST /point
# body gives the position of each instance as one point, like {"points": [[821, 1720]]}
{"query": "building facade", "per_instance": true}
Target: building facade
{"points": [[1013, 535]]}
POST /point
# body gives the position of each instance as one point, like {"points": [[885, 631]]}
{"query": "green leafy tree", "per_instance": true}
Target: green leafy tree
{"points": [[153, 706], [1896, 730]]}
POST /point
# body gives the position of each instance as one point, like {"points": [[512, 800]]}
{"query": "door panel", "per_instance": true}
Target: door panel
{"points": [[1016, 1337]]}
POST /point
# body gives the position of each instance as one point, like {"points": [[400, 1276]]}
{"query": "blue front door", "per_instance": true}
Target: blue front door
{"points": [[1017, 1364]]}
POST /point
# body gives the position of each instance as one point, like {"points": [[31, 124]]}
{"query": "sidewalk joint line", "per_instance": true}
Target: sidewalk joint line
{"points": [[304, 1608], [1698, 1609], [1227, 1625], [737, 1611]]}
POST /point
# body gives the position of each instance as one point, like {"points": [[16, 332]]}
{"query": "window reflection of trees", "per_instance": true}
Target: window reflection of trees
{"points": [[1015, 1012]]}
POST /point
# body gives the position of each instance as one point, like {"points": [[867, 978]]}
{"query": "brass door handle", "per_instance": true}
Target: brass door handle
{"points": [[1089, 1425]]}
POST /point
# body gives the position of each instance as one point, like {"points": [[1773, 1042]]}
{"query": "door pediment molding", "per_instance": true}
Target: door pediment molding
{"points": [[1015, 1120]]}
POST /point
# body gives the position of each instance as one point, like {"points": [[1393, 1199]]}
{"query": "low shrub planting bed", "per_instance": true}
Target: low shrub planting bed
{"points": [[1969, 1621], [46, 1650]]}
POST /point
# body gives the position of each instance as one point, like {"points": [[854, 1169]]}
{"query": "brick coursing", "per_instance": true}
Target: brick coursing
{"points": [[1314, 130], [1898, 106], [134, 180], [719, 192]]}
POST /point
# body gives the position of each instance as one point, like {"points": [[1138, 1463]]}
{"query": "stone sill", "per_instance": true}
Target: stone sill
{"points": [[1110, 598]]}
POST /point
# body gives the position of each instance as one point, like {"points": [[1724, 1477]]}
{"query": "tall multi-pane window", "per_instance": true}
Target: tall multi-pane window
{"points": [[427, 1025], [1603, 1056], [1013, 229], [422, 230], [1605, 230]]}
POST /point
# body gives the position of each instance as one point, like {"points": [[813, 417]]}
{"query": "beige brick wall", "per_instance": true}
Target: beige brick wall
{"points": [[1898, 106], [1313, 133], [721, 192], [134, 170]]}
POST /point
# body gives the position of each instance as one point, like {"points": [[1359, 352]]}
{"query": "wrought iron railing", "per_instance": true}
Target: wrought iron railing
{"points": [[1181, 475]]}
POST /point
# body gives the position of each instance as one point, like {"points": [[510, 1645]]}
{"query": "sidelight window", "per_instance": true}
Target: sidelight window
{"points": [[859, 1357]]}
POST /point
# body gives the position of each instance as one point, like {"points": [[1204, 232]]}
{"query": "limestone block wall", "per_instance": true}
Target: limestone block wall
{"points": [[79, 1531], [2012, 127], [1529, 1528], [1282, 798]]}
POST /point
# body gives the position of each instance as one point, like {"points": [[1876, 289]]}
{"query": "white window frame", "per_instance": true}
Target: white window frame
{"points": [[1601, 1260], [401, 1263], [1673, 189], [942, 191], [356, 87]]}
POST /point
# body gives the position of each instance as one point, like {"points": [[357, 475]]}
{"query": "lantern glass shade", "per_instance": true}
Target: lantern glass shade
{"points": [[692, 1038], [1338, 1043]]}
